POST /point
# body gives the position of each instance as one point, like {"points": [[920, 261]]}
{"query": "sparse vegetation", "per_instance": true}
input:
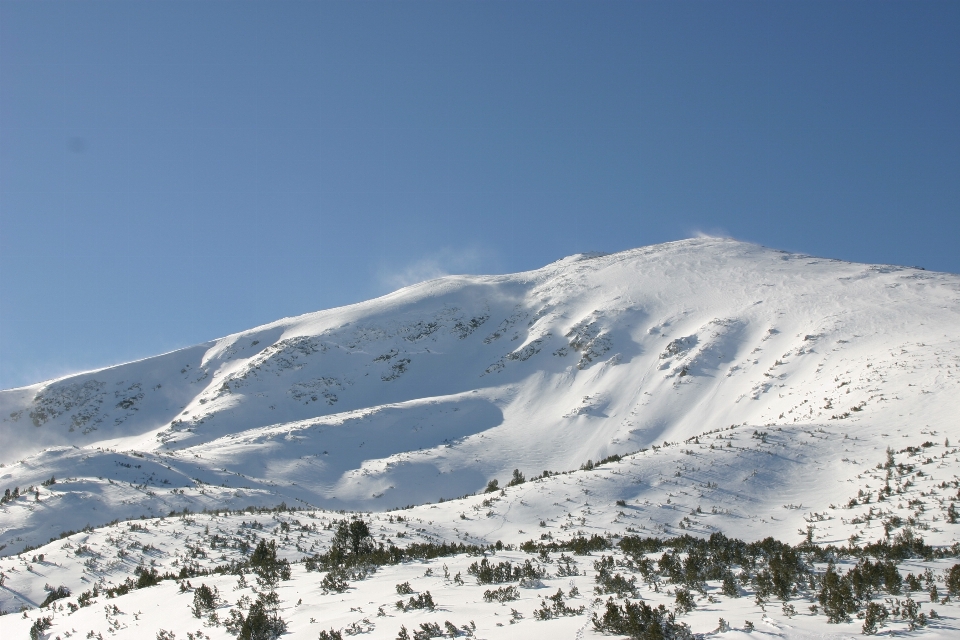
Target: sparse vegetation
{"points": [[555, 607], [640, 621]]}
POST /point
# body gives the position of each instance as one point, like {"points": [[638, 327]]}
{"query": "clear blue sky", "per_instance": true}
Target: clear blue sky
{"points": [[171, 172]]}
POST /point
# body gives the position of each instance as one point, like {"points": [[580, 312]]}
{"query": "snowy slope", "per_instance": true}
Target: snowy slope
{"points": [[751, 392], [431, 391]]}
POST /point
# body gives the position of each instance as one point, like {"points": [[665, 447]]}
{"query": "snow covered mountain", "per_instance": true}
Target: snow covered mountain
{"points": [[430, 392], [722, 387]]}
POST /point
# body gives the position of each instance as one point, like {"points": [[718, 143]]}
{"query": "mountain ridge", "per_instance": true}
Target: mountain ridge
{"points": [[431, 391]]}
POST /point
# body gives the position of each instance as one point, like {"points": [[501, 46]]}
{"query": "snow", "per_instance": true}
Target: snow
{"points": [[755, 391]]}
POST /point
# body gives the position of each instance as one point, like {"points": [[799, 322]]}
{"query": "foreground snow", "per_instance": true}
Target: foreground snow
{"points": [[106, 557]]}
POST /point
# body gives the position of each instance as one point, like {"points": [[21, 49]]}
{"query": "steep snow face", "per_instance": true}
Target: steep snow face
{"points": [[431, 391]]}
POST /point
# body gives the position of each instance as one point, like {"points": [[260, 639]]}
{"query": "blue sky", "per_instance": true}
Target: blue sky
{"points": [[171, 172]]}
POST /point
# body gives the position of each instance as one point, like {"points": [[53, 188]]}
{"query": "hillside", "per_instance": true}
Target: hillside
{"points": [[744, 390], [431, 391]]}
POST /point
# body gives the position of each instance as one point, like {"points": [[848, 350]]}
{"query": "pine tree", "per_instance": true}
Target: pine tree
{"points": [[517, 478], [874, 618], [836, 597]]}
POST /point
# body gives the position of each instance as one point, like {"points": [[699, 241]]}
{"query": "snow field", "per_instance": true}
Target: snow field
{"points": [[748, 391], [368, 607]]}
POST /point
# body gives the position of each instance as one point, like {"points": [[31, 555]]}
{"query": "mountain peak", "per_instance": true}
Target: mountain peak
{"points": [[436, 389]]}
